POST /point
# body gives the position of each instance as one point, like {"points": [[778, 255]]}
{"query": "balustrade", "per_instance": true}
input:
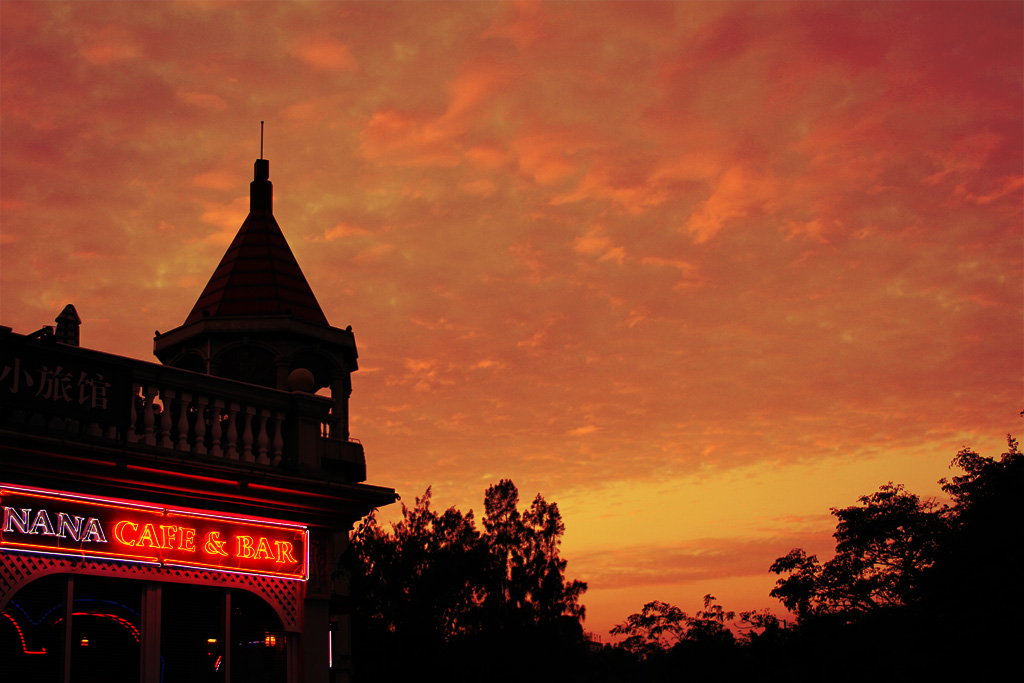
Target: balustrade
{"points": [[205, 424], [78, 394]]}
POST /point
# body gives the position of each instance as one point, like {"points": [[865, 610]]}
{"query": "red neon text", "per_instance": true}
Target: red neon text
{"points": [[136, 532], [167, 538]]}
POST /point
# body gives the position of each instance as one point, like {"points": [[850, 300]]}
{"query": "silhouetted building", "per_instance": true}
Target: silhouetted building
{"points": [[183, 521]]}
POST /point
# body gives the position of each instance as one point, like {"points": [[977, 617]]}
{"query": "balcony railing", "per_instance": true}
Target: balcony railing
{"points": [[81, 394]]}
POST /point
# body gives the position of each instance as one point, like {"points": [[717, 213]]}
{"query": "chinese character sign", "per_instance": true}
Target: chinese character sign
{"points": [[52, 381]]}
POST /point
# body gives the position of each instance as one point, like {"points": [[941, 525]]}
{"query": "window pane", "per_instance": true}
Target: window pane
{"points": [[191, 634], [258, 643], [105, 630]]}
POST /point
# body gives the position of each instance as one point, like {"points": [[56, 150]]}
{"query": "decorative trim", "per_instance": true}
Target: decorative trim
{"points": [[284, 596]]}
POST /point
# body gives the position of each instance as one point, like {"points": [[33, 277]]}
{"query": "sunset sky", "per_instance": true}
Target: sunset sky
{"points": [[696, 272]]}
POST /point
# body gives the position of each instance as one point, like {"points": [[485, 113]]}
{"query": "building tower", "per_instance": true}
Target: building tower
{"points": [[257, 321]]}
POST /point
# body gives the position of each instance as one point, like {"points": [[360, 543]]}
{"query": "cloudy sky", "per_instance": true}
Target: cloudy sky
{"points": [[694, 271]]}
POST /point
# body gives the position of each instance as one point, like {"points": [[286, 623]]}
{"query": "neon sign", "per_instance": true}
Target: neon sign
{"points": [[64, 524]]}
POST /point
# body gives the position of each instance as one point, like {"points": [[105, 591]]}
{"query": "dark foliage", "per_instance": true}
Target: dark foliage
{"points": [[917, 588], [975, 587], [438, 595], [916, 591], [883, 547], [660, 626]]}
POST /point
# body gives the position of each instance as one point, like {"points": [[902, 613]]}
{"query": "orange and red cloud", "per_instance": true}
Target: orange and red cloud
{"points": [[620, 252]]}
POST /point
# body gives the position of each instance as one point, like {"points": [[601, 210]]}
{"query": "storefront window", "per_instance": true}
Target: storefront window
{"points": [[192, 634], [107, 631], [258, 643], [32, 634]]}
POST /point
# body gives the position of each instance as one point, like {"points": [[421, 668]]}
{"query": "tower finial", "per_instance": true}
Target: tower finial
{"points": [[261, 139]]}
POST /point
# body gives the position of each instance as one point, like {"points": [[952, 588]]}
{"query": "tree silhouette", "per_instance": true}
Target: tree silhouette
{"points": [[975, 589], [708, 626], [913, 581], [894, 550], [438, 591], [883, 546], [412, 582], [525, 576], [660, 626]]}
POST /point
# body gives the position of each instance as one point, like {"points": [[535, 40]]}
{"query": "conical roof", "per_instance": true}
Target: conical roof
{"points": [[258, 275]]}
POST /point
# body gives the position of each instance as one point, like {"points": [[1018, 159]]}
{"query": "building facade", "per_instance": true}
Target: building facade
{"points": [[183, 521]]}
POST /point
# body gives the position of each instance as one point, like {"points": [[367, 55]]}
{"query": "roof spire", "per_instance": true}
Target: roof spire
{"points": [[261, 191], [258, 275]]}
